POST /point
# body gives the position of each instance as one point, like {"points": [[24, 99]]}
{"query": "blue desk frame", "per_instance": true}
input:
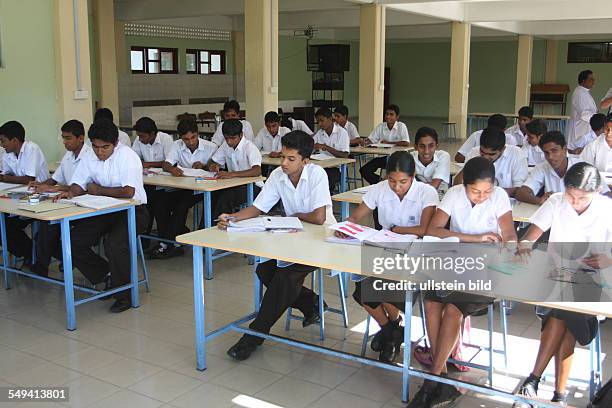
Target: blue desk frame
{"points": [[68, 282]]}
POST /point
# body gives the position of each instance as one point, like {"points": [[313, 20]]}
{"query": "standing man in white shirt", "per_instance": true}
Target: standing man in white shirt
{"points": [[391, 131], [333, 140], [22, 163], [582, 108], [519, 131], [599, 151], [231, 110], [341, 117], [113, 170], [105, 113], [606, 101]]}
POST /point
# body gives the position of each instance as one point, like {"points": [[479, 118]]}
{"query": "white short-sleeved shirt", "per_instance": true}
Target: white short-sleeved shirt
{"points": [[247, 131], [243, 157], [534, 154], [474, 141], [268, 143], [510, 168], [312, 191], [477, 219], [543, 175], [351, 129], [155, 152], [30, 162], [517, 137], [598, 153], [439, 168], [339, 139], [398, 133], [404, 213], [181, 154], [583, 140], [300, 125], [123, 168], [125, 138], [2, 153], [65, 171], [593, 225]]}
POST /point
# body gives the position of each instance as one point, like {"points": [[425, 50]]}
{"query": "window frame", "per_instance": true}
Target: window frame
{"points": [[604, 58], [199, 62], [146, 60]]}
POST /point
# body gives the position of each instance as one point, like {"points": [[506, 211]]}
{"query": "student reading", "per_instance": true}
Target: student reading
{"points": [[22, 163], [405, 206], [478, 212], [231, 110], [302, 188], [114, 170], [331, 140], [579, 214]]}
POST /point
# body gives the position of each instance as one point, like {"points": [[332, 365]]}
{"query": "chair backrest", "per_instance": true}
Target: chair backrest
{"points": [[186, 116], [206, 115]]}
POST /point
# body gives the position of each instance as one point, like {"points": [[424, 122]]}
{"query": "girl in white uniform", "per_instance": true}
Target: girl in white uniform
{"points": [[478, 212], [405, 206], [580, 214]]}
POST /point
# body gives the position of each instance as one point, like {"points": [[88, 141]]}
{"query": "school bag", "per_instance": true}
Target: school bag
{"points": [[603, 397]]}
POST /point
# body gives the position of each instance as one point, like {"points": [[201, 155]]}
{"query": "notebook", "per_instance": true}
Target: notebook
{"points": [[43, 207], [94, 202], [8, 186], [320, 156], [382, 145], [261, 224], [188, 172]]}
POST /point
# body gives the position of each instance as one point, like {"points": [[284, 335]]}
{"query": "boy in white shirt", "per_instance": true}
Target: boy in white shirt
{"points": [[518, 132], [269, 137], [231, 110], [113, 170], [22, 163], [599, 151], [294, 124], [496, 120], [432, 165], [597, 123], [242, 159], [152, 146], [341, 117], [105, 113], [333, 140], [531, 149], [302, 188]]}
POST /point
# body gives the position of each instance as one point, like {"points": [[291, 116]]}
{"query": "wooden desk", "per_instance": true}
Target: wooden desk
{"points": [[326, 164], [63, 217]]}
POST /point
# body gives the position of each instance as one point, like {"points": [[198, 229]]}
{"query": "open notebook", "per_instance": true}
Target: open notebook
{"points": [[93, 201], [260, 224], [189, 172], [358, 234], [44, 206]]}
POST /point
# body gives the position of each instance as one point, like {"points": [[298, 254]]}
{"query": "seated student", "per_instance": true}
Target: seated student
{"points": [[22, 163], [579, 214], [598, 152], [390, 131], [332, 140], [510, 165], [531, 149], [405, 206], [268, 139], [113, 170], [294, 124], [341, 118], [432, 165], [231, 110], [242, 159], [598, 123], [496, 120], [478, 212], [48, 239], [548, 175], [105, 113], [302, 188], [518, 132]]}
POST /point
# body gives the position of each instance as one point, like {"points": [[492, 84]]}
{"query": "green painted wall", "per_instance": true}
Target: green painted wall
{"points": [[27, 81]]}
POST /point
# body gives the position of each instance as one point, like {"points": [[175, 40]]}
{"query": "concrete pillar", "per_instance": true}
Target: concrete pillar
{"points": [[238, 46], [459, 76], [104, 19], [523, 72], [550, 74]]}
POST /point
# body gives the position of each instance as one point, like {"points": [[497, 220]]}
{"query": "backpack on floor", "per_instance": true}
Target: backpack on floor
{"points": [[603, 397]]}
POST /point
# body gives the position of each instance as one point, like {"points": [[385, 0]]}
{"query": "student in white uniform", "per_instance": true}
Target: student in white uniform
{"points": [[269, 137], [405, 206], [333, 140], [510, 164], [597, 123], [579, 214], [231, 110], [519, 130], [583, 106], [302, 188], [496, 120], [478, 212], [171, 207], [105, 113], [606, 101], [241, 158], [598, 152], [48, 238], [22, 163], [531, 149], [341, 118], [113, 170], [432, 165], [391, 131]]}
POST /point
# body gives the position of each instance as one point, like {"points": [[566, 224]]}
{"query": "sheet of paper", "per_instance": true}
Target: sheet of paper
{"points": [[94, 202], [359, 232], [8, 186], [381, 145], [347, 241], [21, 189], [43, 207], [187, 172], [321, 156], [261, 224], [391, 237]]}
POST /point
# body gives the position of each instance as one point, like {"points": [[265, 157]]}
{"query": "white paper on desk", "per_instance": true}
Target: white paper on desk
{"points": [[356, 231], [42, 207], [430, 238], [188, 172], [321, 156], [337, 240], [8, 186], [261, 224], [21, 189], [363, 190], [265, 153], [94, 202], [381, 145]]}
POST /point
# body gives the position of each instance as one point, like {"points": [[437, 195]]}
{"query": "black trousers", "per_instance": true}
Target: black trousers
{"points": [[333, 177], [48, 244], [114, 227], [18, 242], [368, 170], [154, 200], [171, 211], [285, 287], [229, 199]]}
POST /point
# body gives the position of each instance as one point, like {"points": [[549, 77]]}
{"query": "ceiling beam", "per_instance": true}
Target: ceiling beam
{"points": [[517, 10]]}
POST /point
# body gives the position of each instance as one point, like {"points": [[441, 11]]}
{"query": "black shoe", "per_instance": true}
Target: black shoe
{"points": [[241, 350], [528, 389], [314, 317], [107, 286], [166, 253], [121, 305], [39, 270], [560, 398], [388, 352], [424, 395], [376, 344], [444, 396]]}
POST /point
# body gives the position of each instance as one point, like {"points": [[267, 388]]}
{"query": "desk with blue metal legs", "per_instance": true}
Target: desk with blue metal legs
{"points": [[64, 217]]}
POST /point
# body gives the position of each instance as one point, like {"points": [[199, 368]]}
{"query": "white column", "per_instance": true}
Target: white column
{"points": [[523, 72], [459, 76], [104, 18]]}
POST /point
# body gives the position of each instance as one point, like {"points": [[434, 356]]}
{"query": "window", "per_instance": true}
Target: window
{"points": [[205, 62], [145, 60], [589, 52]]}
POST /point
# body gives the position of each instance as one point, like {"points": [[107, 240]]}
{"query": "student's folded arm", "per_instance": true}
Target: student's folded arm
{"points": [[116, 192], [17, 179], [401, 143], [316, 217], [166, 166], [526, 195], [421, 229], [511, 191], [358, 213], [459, 158], [254, 171], [76, 190]]}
